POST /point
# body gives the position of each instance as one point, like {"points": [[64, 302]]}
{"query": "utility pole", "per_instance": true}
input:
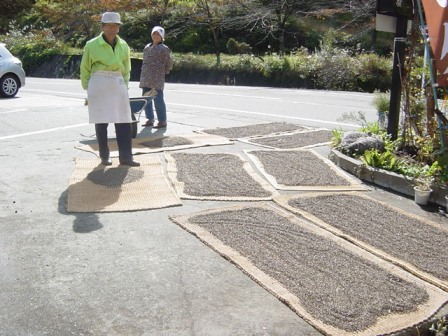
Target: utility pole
{"points": [[401, 11], [396, 85]]}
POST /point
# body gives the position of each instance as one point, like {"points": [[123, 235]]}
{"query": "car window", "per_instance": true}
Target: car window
{"points": [[5, 52]]}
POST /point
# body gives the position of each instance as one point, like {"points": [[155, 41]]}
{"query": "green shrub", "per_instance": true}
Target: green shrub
{"points": [[335, 70], [236, 48], [321, 70], [381, 101], [33, 48], [439, 169], [336, 138], [384, 160], [375, 72]]}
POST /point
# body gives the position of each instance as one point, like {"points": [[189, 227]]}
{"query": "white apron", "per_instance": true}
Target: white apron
{"points": [[108, 98]]}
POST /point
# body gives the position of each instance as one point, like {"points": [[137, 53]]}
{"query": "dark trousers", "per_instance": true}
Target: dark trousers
{"points": [[124, 141]]}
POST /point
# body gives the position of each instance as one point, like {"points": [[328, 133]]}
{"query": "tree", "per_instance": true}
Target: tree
{"points": [[363, 16], [280, 23], [274, 17], [10, 10], [212, 14], [78, 20]]}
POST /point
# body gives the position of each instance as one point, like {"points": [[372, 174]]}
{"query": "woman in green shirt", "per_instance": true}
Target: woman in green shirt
{"points": [[105, 72]]}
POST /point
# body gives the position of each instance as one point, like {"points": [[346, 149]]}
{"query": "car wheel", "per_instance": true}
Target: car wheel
{"points": [[9, 86]]}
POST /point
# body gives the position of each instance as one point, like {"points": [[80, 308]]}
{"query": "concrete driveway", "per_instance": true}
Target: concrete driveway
{"points": [[122, 273]]}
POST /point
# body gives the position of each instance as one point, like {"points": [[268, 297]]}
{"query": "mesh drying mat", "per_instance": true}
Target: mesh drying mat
{"points": [[336, 286], [159, 143], [254, 130], [226, 177], [96, 188], [418, 245], [295, 140], [302, 169]]}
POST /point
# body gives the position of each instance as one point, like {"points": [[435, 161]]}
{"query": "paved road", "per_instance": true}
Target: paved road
{"points": [[192, 102], [132, 273]]}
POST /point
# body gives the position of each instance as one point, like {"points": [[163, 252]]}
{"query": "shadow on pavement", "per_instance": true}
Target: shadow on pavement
{"points": [[83, 222]]}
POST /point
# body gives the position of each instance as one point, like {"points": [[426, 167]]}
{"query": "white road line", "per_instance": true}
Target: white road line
{"points": [[13, 111], [42, 131], [225, 94], [266, 114], [55, 92], [284, 100], [174, 104], [55, 82], [301, 93], [82, 96]]}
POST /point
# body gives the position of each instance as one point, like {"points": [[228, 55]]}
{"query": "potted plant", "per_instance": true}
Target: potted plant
{"points": [[381, 101], [423, 189]]}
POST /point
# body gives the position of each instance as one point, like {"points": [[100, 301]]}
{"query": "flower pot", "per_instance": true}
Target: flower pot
{"points": [[421, 196]]}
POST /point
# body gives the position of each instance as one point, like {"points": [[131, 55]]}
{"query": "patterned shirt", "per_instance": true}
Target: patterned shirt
{"points": [[156, 64]]}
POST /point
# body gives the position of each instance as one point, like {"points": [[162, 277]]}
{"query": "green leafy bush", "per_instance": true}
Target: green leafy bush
{"points": [[336, 70], [33, 48], [384, 160], [235, 48], [336, 138], [381, 101], [375, 72], [429, 165]]}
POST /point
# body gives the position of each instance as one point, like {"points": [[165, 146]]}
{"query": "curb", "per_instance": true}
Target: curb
{"points": [[384, 178]]}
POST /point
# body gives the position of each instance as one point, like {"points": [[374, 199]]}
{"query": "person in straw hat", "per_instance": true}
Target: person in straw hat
{"points": [[105, 72], [156, 64]]}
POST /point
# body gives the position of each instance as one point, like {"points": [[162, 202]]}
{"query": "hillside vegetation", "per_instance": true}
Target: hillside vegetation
{"points": [[329, 68]]}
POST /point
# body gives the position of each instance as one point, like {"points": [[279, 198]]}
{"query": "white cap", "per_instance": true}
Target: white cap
{"points": [[160, 30], [110, 17]]}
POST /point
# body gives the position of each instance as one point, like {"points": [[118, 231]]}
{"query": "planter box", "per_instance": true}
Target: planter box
{"points": [[384, 178]]}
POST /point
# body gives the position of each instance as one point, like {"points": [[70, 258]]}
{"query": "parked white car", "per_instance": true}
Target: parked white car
{"points": [[12, 76]]}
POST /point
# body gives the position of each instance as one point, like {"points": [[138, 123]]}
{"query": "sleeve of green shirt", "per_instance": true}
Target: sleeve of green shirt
{"points": [[86, 67], [127, 65]]}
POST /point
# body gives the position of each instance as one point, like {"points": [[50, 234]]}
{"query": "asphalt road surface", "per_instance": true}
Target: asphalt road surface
{"points": [[230, 103]]}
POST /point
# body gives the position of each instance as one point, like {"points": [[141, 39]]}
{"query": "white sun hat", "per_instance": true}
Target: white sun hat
{"points": [[111, 17]]}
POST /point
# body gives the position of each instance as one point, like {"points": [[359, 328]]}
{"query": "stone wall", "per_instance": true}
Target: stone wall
{"points": [[63, 66]]}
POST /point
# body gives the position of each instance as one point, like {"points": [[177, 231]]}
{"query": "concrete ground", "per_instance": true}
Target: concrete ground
{"points": [[123, 273]]}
